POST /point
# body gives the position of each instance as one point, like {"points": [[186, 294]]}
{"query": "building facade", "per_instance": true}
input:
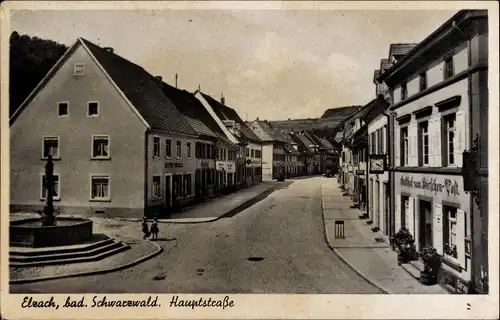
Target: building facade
{"points": [[115, 163], [440, 95]]}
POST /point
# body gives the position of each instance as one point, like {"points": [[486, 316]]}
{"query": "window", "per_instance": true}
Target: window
{"points": [[449, 136], [448, 68], [188, 150], [156, 146], [404, 146], [423, 81], [404, 91], [100, 147], [78, 69], [187, 185], [93, 109], [56, 190], [62, 109], [450, 231], [423, 129], [247, 152], [156, 190], [99, 188], [168, 148], [50, 147], [252, 152], [179, 149]]}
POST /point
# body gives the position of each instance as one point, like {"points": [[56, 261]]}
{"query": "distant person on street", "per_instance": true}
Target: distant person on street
{"points": [[145, 228], [154, 229]]}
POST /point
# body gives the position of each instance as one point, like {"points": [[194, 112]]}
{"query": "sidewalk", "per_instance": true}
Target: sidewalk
{"points": [[223, 205], [365, 251]]}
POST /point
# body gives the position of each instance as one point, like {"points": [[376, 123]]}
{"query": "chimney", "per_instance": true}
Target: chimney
{"points": [[222, 99], [176, 77], [257, 119], [109, 49], [159, 78]]}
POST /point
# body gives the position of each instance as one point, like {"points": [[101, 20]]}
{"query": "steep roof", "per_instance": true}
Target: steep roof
{"points": [[301, 145], [226, 113], [325, 144], [308, 143], [142, 90], [196, 114]]}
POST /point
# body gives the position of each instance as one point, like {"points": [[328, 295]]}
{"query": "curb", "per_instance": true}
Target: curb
{"points": [[233, 211], [159, 250], [361, 274]]}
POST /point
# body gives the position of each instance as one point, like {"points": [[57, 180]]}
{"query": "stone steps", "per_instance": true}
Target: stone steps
{"points": [[53, 256]]}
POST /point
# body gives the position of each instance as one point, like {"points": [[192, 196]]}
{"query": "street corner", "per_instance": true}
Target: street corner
{"points": [[139, 250]]}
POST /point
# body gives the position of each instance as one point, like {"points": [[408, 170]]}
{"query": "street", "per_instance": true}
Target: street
{"points": [[284, 233]]}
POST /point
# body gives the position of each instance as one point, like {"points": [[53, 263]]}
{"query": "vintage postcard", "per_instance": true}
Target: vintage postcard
{"points": [[260, 160]]}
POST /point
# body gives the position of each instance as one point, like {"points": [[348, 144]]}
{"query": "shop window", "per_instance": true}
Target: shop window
{"points": [[448, 139], [423, 152], [450, 231], [404, 146], [187, 185]]}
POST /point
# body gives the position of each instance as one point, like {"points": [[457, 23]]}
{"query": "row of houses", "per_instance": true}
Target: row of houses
{"points": [[126, 143], [417, 155]]}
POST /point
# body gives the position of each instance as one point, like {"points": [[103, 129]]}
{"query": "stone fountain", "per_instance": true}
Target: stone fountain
{"points": [[51, 240]]}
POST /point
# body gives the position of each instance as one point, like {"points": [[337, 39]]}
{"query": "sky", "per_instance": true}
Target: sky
{"points": [[271, 64]]}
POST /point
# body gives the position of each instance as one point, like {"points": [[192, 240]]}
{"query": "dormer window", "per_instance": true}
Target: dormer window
{"points": [[78, 69]]}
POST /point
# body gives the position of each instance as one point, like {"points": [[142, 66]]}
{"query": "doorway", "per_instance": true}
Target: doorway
{"points": [[425, 224], [168, 193]]}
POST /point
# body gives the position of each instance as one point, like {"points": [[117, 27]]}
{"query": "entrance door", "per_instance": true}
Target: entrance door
{"points": [[425, 225], [168, 193]]}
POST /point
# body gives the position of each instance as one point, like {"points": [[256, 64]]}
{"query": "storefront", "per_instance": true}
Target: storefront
{"points": [[436, 211]]}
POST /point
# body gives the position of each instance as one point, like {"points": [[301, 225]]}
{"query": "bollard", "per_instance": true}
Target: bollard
{"points": [[339, 229]]}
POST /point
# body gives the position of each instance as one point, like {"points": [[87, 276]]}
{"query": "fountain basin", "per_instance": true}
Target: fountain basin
{"points": [[67, 231]]}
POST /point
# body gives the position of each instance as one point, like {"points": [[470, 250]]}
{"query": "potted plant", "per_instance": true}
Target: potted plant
{"points": [[432, 264], [405, 245]]}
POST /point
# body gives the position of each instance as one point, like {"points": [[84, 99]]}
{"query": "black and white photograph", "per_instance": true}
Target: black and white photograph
{"points": [[169, 156]]}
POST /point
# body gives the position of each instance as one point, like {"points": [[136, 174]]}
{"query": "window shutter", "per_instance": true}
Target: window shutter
{"points": [[437, 228], [410, 217], [460, 131], [435, 141], [412, 145], [461, 237], [397, 146], [397, 220]]}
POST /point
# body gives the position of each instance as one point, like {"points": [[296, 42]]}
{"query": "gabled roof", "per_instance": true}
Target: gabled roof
{"points": [[226, 113], [142, 90], [267, 133], [325, 144], [308, 143]]}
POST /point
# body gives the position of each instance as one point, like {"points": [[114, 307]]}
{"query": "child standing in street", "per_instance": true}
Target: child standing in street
{"points": [[154, 228], [145, 228]]}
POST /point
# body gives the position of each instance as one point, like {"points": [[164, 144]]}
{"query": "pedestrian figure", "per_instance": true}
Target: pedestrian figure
{"points": [[154, 229], [145, 228]]}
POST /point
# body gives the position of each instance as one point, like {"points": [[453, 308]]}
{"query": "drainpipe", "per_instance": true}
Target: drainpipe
{"points": [[390, 134]]}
